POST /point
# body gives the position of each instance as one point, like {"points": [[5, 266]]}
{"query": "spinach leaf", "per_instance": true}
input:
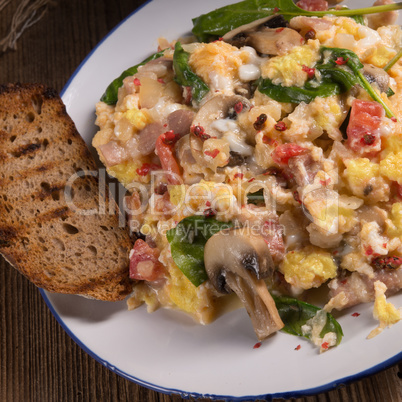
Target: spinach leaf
{"points": [[333, 54], [343, 78], [351, 60], [342, 70], [294, 94], [218, 22], [295, 313], [222, 20], [185, 76], [389, 92], [187, 241], [110, 95]]}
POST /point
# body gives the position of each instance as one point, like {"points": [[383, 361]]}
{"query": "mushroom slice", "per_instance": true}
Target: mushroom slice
{"points": [[265, 37], [275, 42], [238, 262], [219, 107], [378, 76], [273, 21]]}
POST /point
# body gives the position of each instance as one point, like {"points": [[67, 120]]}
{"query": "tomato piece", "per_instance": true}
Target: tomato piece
{"points": [[313, 5], [144, 263], [164, 151], [363, 128], [272, 233], [146, 168], [282, 153]]}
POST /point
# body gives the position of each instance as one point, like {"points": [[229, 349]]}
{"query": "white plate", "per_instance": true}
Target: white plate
{"points": [[166, 351]]}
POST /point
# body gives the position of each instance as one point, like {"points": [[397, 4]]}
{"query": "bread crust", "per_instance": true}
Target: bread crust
{"points": [[51, 226]]}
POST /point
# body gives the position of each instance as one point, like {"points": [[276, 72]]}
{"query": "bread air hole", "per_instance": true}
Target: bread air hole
{"points": [[56, 195], [49, 274], [93, 250], [37, 102], [8, 207], [59, 244], [30, 117], [70, 229]]}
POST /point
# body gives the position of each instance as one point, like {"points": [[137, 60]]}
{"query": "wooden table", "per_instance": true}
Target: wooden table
{"points": [[38, 360]]}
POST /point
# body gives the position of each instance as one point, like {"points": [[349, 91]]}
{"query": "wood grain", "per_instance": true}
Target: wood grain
{"points": [[38, 360]]}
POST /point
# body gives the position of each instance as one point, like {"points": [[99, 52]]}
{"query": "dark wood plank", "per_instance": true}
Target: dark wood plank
{"points": [[38, 360]]}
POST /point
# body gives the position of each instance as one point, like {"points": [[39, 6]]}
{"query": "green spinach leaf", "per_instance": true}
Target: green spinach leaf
{"points": [[340, 69], [343, 78], [350, 59], [222, 20], [187, 241], [110, 95], [218, 22], [294, 94], [185, 76], [295, 313]]}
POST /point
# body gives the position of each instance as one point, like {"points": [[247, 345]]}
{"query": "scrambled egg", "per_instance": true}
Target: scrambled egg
{"points": [[348, 34], [196, 301], [386, 313], [313, 186], [137, 118], [394, 224], [390, 167], [308, 268], [126, 172], [364, 180], [288, 70], [205, 194], [329, 211], [359, 172], [380, 56], [215, 60], [392, 143]]}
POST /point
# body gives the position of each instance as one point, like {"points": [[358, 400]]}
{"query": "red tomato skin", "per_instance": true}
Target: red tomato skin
{"points": [[363, 128], [168, 161], [142, 252], [282, 153]]}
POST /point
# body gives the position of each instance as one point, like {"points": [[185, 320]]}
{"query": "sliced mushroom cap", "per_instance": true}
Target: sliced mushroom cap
{"points": [[273, 21], [264, 36], [219, 107], [275, 42], [376, 75], [237, 261]]}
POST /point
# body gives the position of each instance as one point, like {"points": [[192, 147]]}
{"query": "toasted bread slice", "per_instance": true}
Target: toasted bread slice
{"points": [[52, 228]]}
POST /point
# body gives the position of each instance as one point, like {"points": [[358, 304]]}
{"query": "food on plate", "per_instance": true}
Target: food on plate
{"points": [[51, 226], [262, 157]]}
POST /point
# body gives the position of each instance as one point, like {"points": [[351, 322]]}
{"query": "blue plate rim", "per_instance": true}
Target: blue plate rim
{"points": [[170, 391], [186, 394]]}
